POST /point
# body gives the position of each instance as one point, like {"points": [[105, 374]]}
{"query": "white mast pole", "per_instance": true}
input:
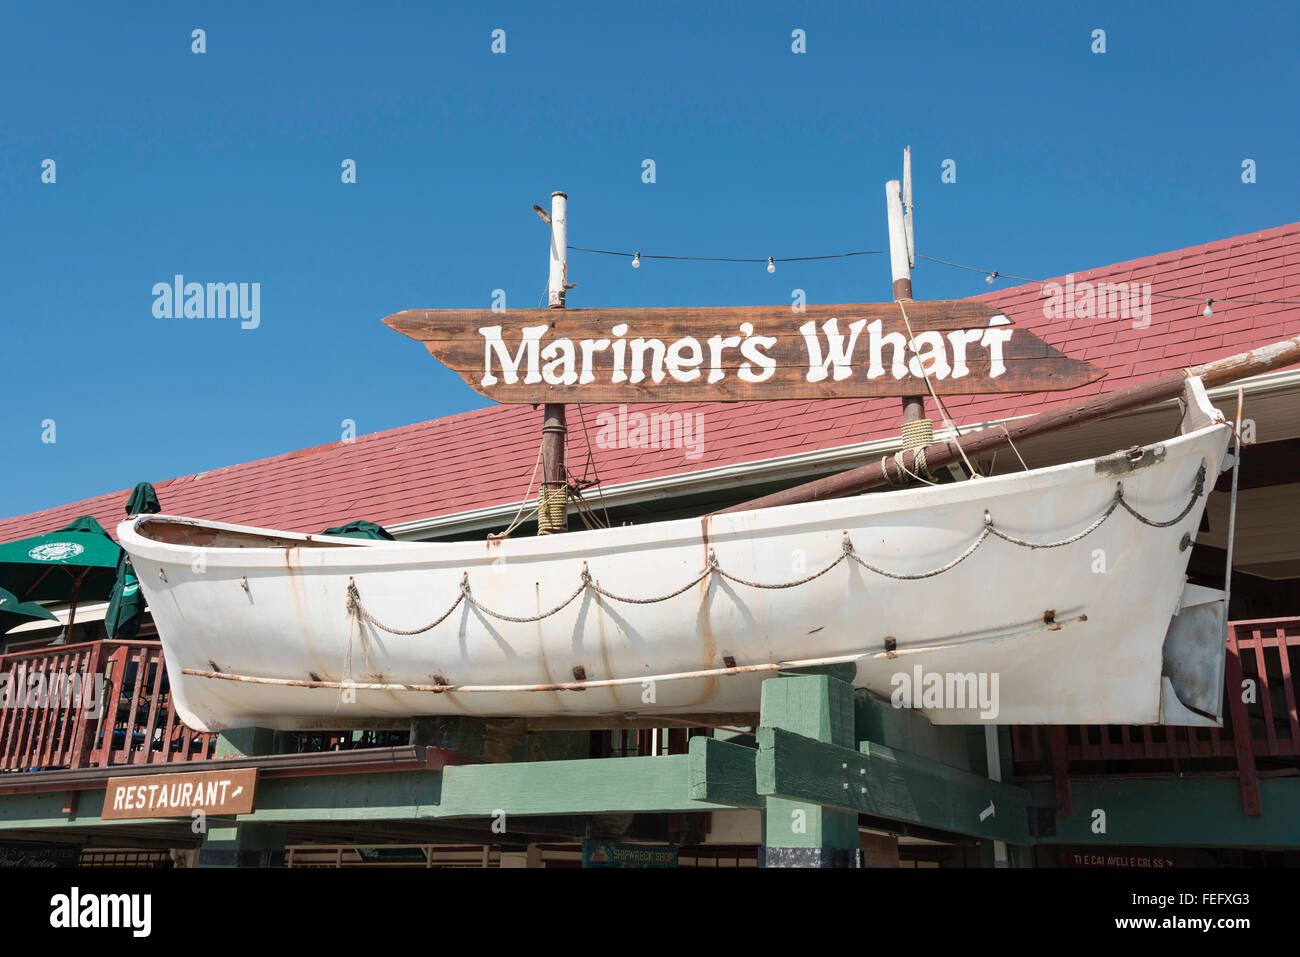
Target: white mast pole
{"points": [[913, 405], [552, 504]]}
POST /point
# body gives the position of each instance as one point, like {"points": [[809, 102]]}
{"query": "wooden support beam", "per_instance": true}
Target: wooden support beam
{"points": [[890, 784], [723, 773], [242, 844]]}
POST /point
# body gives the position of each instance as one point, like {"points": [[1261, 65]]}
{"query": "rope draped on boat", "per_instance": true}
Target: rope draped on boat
{"points": [[847, 552]]}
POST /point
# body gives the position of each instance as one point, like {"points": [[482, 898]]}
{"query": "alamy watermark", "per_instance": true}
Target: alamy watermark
{"points": [[934, 690], [179, 299], [20, 689], [1103, 300], [656, 430], [73, 910]]}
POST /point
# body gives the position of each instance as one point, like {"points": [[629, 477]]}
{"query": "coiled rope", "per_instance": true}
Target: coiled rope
{"points": [[586, 582]]}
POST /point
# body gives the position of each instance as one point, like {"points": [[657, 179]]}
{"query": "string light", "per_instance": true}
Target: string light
{"points": [[636, 261], [731, 259], [990, 275]]}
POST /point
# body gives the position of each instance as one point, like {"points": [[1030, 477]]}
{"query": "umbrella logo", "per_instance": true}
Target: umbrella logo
{"points": [[55, 551]]}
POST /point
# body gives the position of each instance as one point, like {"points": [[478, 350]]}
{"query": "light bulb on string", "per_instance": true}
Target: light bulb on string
{"points": [[1209, 308], [991, 276], [771, 264], [636, 261]]}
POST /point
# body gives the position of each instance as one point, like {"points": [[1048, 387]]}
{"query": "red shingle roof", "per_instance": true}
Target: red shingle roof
{"points": [[483, 458]]}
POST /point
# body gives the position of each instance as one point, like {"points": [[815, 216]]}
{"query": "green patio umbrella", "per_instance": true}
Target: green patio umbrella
{"points": [[71, 564], [126, 606], [360, 529], [14, 612]]}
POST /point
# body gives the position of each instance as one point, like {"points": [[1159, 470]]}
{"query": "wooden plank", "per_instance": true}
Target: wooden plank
{"points": [[30, 717], [137, 691], [1241, 737], [51, 704], [152, 657], [1288, 685], [1265, 696], [80, 658], [1061, 768], [8, 688], [79, 749], [165, 756], [102, 738], [739, 354]]}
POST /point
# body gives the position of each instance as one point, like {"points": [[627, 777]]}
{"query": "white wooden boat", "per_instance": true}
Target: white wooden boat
{"points": [[285, 630]]}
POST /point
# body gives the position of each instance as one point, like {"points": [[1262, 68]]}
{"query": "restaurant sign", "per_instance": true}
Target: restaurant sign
{"points": [[180, 795], [963, 347]]}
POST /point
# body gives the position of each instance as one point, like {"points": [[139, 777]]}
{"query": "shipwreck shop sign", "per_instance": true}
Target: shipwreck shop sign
{"points": [[766, 352]]}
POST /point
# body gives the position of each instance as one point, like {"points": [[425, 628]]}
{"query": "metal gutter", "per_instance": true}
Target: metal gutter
{"points": [[357, 761]]}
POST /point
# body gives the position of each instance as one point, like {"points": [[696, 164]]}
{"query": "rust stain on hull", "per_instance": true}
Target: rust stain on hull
{"points": [[708, 643]]}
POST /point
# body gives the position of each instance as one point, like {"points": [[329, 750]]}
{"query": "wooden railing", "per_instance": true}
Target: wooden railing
{"points": [[1260, 733], [97, 704]]}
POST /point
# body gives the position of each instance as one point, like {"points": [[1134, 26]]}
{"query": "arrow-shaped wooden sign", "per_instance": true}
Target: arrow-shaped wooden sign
{"points": [[741, 353]]}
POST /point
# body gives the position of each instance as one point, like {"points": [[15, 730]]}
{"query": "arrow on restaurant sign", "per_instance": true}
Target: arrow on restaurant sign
{"points": [[741, 353]]}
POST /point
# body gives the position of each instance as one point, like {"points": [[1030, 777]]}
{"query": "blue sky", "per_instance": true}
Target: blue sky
{"points": [[225, 166]]}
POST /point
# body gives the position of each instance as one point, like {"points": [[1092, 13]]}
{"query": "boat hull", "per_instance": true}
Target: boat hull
{"points": [[271, 635]]}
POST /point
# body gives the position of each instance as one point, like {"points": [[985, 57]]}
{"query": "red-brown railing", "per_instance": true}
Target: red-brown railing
{"points": [[1260, 733], [97, 704]]}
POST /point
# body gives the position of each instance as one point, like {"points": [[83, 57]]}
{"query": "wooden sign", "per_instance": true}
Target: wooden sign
{"points": [[614, 854], [179, 795], [741, 353]]}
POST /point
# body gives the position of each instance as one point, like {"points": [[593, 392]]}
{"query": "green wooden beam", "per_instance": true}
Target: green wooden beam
{"points": [[590, 786], [890, 784], [1173, 812], [723, 773]]}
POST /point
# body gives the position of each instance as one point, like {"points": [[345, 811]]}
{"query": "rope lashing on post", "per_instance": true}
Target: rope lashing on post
{"points": [[552, 509], [990, 530], [916, 435]]}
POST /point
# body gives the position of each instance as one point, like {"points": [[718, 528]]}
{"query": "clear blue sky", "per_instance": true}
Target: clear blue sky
{"points": [[225, 166]]}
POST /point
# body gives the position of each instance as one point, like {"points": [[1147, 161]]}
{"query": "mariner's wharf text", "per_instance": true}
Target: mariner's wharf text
{"points": [[829, 353]]}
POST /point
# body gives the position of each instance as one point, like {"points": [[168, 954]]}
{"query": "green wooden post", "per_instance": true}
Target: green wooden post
{"points": [[232, 844], [497, 740], [246, 742], [816, 703], [475, 740]]}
